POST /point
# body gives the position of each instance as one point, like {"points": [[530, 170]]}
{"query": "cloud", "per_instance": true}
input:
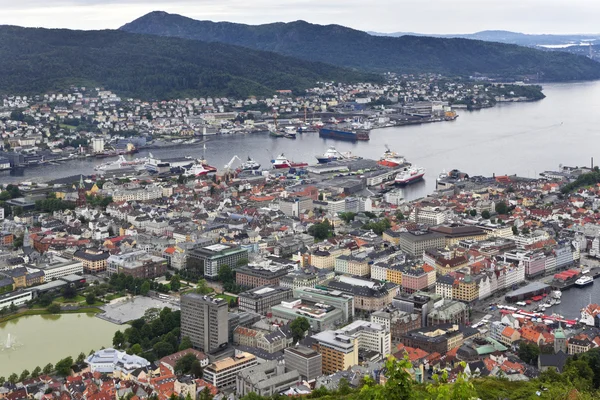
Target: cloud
{"points": [[431, 16]]}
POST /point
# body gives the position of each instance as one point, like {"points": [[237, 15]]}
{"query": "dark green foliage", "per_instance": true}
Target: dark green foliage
{"points": [[501, 208], [51, 205], [347, 217], [53, 308], [321, 230], [63, 367], [39, 60], [529, 352], [184, 364], [378, 227], [582, 181], [186, 343], [350, 48], [90, 299], [299, 326], [485, 214]]}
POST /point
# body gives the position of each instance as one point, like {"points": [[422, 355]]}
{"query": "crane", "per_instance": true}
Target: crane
{"points": [[230, 163]]}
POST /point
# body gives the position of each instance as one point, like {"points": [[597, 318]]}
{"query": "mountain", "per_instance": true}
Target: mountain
{"points": [[338, 45], [522, 39], [37, 60]]}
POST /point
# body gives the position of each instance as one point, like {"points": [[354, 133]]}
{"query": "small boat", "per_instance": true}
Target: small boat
{"points": [[330, 155], [290, 132], [556, 294], [584, 281], [557, 302]]}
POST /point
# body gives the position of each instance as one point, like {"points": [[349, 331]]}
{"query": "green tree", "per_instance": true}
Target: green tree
{"points": [[48, 369], [399, 216], [186, 343], [226, 274], [13, 308], [184, 364], [501, 208], [13, 378], [54, 308], [461, 389], [321, 230], [515, 231], [90, 298], [529, 352], [34, 374], [196, 369], [485, 214], [205, 394], [162, 349], [347, 217], [118, 340], [145, 288], [2, 380], [80, 358], [136, 349], [473, 213], [63, 367], [398, 386], [24, 375], [299, 327], [202, 287], [175, 283]]}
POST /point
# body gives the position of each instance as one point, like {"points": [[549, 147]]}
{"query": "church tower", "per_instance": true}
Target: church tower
{"points": [[81, 199], [560, 340]]}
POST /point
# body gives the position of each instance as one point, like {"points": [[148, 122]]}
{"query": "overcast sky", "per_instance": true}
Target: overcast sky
{"points": [[423, 16]]}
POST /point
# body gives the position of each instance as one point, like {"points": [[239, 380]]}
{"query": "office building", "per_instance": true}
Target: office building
{"points": [[138, 264], [94, 260], [338, 351], [223, 373], [368, 295], [306, 361], [209, 259], [261, 299], [267, 379], [415, 242], [204, 320], [262, 274]]}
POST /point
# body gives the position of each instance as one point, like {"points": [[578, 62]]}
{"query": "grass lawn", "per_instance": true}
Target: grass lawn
{"points": [[111, 297], [226, 297], [76, 299], [65, 126]]}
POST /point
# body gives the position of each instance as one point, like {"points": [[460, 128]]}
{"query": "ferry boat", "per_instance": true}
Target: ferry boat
{"points": [[249, 165], [391, 159], [137, 163], [410, 175], [282, 162], [290, 132], [584, 281]]}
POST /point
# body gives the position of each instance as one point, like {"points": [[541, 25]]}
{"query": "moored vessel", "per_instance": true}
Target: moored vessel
{"points": [[584, 281], [282, 162], [409, 175]]}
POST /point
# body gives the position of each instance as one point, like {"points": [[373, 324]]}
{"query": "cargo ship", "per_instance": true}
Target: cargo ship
{"points": [[391, 159], [352, 135], [282, 162], [410, 175]]}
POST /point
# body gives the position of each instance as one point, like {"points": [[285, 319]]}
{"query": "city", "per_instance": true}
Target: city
{"points": [[238, 201]]}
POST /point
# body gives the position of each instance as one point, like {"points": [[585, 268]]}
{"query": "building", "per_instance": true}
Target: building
{"points": [[439, 339], [306, 361], [415, 242], [293, 206], [260, 300], [444, 286], [579, 344], [368, 295], [416, 278], [428, 215], [397, 321], [170, 360], [445, 262], [223, 373], [138, 264], [449, 312], [560, 340], [370, 335], [57, 267], [267, 379], [339, 352], [18, 298], [93, 260], [299, 279], [204, 320], [209, 259], [465, 289], [334, 298], [262, 274], [108, 361], [455, 233]]}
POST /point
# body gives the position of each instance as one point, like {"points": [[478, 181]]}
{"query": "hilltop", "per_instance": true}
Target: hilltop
{"points": [[36, 60], [342, 46]]}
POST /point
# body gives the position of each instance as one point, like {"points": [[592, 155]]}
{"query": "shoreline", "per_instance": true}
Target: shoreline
{"points": [[43, 311]]}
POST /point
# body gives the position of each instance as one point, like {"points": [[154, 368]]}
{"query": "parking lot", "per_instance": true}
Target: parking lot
{"points": [[127, 309]]}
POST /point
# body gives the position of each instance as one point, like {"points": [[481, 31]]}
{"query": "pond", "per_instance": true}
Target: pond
{"points": [[41, 339]]}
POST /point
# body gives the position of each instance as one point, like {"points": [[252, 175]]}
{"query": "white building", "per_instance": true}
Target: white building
{"points": [[17, 298], [369, 335], [378, 272], [223, 373], [111, 360], [97, 145], [429, 215], [57, 267]]}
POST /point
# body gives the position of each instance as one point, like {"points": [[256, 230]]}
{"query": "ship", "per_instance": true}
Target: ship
{"points": [[556, 294], [249, 165], [290, 132], [334, 155], [199, 170], [137, 163], [157, 165], [353, 135], [282, 162], [584, 281], [391, 159], [409, 175]]}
